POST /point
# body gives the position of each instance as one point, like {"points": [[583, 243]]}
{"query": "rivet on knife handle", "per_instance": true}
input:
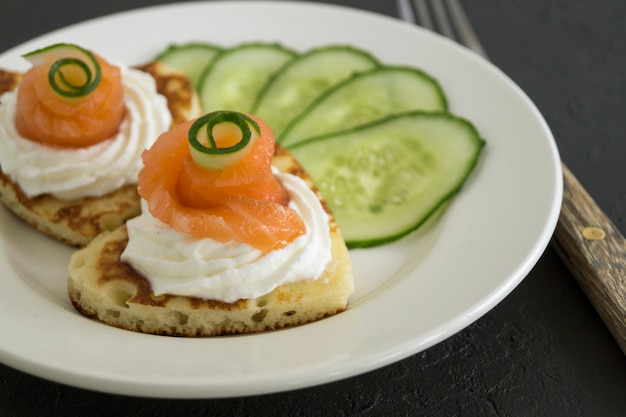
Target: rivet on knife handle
{"points": [[595, 252]]}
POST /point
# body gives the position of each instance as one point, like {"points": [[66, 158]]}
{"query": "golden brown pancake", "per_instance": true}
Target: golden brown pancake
{"points": [[76, 222], [103, 287]]}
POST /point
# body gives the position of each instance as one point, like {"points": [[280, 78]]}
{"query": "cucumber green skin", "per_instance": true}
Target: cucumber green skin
{"points": [[363, 98], [301, 80], [191, 58], [58, 51], [250, 77], [319, 155]]}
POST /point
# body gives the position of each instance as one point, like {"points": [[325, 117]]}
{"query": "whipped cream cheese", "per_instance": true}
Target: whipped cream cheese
{"points": [[71, 173], [181, 264]]}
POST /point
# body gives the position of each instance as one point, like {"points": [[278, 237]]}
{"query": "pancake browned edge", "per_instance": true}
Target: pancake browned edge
{"points": [[103, 287], [76, 222]]}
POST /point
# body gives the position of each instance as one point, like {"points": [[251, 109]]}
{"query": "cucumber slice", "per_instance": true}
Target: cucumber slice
{"points": [[363, 98], [236, 75], [191, 58], [383, 180], [57, 51], [299, 82], [74, 71]]}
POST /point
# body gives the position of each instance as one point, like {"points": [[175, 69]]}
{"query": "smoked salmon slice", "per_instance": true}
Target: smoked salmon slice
{"points": [[43, 115], [243, 202]]}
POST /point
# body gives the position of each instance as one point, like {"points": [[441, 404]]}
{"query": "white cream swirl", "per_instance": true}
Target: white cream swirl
{"points": [[91, 171], [181, 264]]}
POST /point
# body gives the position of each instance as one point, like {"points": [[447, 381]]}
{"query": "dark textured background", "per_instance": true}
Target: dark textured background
{"points": [[543, 351]]}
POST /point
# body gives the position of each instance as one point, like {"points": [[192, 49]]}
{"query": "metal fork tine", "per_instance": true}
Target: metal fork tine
{"points": [[422, 14], [464, 28], [441, 17], [405, 11], [453, 24]]}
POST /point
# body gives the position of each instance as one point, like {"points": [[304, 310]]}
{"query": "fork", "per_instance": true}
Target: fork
{"points": [[586, 240]]}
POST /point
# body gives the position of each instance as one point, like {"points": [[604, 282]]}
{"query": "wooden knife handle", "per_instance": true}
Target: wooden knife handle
{"points": [[595, 252]]}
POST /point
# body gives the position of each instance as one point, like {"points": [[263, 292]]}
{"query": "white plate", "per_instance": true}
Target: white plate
{"points": [[411, 294]]}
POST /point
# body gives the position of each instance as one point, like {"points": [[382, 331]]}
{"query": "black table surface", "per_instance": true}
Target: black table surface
{"points": [[543, 351]]}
